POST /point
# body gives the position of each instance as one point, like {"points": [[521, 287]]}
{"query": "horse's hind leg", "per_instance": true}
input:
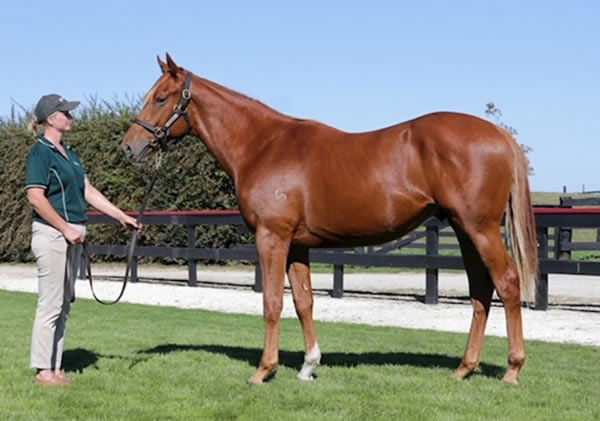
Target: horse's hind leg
{"points": [[481, 289], [494, 255], [299, 275]]}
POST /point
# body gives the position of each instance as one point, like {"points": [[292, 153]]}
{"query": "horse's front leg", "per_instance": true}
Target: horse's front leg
{"points": [[272, 252], [299, 275]]}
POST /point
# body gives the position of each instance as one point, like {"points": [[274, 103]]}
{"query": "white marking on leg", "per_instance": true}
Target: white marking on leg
{"points": [[311, 362]]}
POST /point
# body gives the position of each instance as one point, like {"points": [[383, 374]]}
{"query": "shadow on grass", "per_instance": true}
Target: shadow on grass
{"points": [[78, 359], [294, 359]]}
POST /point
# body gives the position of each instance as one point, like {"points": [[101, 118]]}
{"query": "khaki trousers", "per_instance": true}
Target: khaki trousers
{"points": [[57, 263]]}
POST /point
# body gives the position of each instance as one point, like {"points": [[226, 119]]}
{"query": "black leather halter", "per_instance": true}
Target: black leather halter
{"points": [[161, 134]]}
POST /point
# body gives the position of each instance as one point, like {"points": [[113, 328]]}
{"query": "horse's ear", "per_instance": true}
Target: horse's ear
{"points": [[173, 68], [163, 66]]}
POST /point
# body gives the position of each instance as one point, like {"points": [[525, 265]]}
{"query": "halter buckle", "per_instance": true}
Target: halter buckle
{"points": [[159, 133]]}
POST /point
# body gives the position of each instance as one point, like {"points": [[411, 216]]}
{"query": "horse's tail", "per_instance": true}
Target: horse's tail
{"points": [[521, 222]]}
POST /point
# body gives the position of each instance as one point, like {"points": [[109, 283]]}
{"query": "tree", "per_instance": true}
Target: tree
{"points": [[495, 112]]}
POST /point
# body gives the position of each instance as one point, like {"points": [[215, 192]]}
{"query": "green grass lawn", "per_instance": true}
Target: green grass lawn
{"points": [[553, 198], [134, 362]]}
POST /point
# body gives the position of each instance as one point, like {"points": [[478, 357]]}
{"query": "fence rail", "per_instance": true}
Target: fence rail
{"points": [[568, 201], [561, 220]]}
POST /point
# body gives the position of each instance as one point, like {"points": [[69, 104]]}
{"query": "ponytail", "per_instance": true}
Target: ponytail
{"points": [[33, 126]]}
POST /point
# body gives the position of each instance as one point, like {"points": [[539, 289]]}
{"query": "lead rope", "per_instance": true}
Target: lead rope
{"points": [[132, 243]]}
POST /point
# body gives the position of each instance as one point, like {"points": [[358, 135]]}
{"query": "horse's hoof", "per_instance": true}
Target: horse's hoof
{"points": [[510, 379], [261, 376], [305, 378], [460, 374], [254, 382], [311, 362]]}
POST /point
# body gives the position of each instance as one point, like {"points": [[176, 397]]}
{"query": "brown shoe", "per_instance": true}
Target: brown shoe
{"points": [[50, 379]]}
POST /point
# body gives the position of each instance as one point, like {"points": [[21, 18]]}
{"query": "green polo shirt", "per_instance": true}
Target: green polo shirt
{"points": [[62, 179]]}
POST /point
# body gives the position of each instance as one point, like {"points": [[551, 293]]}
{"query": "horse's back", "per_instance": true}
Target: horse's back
{"points": [[415, 158]]}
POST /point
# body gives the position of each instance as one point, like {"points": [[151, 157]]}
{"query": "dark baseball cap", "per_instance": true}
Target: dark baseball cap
{"points": [[52, 103]]}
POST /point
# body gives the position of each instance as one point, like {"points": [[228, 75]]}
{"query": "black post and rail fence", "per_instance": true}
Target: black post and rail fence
{"points": [[434, 240]]}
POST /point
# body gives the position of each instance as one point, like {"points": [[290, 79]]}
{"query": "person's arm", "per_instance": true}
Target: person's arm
{"points": [[95, 198], [42, 206]]}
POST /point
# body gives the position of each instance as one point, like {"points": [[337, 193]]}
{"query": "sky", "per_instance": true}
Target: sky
{"points": [[354, 65]]}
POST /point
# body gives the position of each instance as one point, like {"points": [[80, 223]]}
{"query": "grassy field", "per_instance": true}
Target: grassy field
{"points": [[551, 198], [133, 362]]}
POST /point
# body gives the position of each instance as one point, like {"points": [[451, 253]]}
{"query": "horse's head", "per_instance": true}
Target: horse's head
{"points": [[159, 121]]}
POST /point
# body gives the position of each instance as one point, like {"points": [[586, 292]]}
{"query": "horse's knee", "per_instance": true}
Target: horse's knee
{"points": [[272, 310]]}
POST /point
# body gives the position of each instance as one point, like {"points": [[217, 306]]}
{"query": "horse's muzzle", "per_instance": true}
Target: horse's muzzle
{"points": [[136, 154], [128, 151]]}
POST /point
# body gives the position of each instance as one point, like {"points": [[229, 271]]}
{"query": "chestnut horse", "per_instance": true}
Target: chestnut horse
{"points": [[302, 184]]}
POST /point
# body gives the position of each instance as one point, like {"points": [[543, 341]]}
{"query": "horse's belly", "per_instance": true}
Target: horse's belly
{"points": [[350, 230]]}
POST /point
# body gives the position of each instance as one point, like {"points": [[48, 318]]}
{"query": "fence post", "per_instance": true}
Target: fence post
{"points": [[191, 243], [258, 287], [431, 275], [562, 235], [541, 289], [338, 281]]}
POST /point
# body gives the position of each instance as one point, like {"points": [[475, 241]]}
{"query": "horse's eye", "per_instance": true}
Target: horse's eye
{"points": [[161, 100]]}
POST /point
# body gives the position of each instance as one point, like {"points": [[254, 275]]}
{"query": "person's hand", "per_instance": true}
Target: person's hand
{"points": [[131, 223], [73, 236]]}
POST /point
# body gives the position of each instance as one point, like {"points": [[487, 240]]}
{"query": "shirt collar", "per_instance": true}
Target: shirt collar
{"points": [[46, 142]]}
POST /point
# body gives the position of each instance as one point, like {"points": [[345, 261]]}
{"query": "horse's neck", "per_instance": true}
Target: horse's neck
{"points": [[229, 124]]}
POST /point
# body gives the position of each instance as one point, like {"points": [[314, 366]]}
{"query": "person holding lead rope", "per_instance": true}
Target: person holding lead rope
{"points": [[58, 189]]}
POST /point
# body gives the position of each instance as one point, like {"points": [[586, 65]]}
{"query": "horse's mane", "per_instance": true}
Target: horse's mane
{"points": [[222, 91], [247, 101]]}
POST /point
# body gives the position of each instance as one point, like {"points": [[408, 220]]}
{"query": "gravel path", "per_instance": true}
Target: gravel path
{"points": [[375, 299]]}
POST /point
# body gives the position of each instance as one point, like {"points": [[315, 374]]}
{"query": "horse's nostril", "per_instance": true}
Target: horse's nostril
{"points": [[128, 151]]}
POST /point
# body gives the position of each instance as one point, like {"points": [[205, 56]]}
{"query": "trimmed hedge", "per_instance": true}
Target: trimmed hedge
{"points": [[190, 178]]}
